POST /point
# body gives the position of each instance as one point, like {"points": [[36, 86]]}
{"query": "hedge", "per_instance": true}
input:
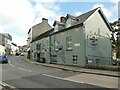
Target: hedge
{"points": [[103, 67]]}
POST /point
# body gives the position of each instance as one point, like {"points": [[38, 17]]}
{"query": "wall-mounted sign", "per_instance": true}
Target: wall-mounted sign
{"points": [[90, 61], [77, 44]]}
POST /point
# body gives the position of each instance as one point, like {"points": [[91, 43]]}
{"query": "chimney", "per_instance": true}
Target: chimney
{"points": [[44, 20], [62, 19]]}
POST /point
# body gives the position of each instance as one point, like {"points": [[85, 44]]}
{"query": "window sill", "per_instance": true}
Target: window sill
{"points": [[69, 49]]}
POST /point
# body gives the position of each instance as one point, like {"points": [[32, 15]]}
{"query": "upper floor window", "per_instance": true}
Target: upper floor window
{"points": [[69, 43], [56, 28], [35, 46], [56, 45], [38, 46], [43, 46], [68, 23]]}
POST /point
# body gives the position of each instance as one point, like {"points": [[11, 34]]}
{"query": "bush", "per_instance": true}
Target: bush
{"points": [[103, 67]]}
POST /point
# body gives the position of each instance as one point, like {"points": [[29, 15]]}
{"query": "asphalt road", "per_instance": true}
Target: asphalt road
{"points": [[21, 74]]}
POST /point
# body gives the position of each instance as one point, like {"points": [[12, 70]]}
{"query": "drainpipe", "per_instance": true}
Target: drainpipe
{"points": [[84, 43], [50, 47]]}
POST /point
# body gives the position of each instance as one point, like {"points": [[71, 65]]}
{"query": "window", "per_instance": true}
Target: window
{"points": [[69, 43], [34, 46], [43, 45], [68, 23], [38, 46], [56, 46], [56, 28]]}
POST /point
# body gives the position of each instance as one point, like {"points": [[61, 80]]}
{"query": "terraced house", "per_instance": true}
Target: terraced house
{"points": [[33, 33], [5, 40], [77, 40]]}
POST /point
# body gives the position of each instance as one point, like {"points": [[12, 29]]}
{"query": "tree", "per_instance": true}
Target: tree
{"points": [[116, 36]]}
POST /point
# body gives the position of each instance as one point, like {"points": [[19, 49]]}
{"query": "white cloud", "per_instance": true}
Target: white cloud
{"points": [[1, 29], [114, 1], [16, 13], [47, 10], [19, 40], [116, 7], [20, 15], [108, 13], [39, 1], [78, 13]]}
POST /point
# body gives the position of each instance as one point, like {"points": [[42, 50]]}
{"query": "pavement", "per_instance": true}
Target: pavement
{"points": [[4, 86], [78, 69]]}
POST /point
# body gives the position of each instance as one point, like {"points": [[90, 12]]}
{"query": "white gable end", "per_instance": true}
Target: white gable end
{"points": [[95, 23]]}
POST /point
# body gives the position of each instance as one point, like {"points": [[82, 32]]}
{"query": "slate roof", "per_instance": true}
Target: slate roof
{"points": [[79, 21], [60, 23], [82, 18], [70, 16], [45, 34]]}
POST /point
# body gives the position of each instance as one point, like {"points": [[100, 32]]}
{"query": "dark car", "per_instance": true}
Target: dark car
{"points": [[17, 53]]}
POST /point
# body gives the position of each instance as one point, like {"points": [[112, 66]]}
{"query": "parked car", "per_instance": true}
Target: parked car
{"points": [[17, 53], [22, 54], [3, 59]]}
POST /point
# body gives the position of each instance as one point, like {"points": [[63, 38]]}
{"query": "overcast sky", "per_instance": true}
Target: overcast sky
{"points": [[17, 16]]}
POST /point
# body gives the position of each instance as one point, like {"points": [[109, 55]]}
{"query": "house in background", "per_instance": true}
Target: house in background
{"points": [[34, 32], [2, 50], [14, 49], [41, 47], [24, 48], [5, 40], [81, 40]]}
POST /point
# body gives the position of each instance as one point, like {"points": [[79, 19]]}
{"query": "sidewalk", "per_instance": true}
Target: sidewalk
{"points": [[81, 70], [78, 69], [5, 86]]}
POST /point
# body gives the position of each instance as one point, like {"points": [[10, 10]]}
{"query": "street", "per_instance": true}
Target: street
{"points": [[22, 74]]}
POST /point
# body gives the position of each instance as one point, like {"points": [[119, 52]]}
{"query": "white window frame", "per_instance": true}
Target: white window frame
{"points": [[56, 28], [69, 43], [56, 45], [68, 22]]}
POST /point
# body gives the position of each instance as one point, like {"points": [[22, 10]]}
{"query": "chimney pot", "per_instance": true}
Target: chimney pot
{"points": [[44, 20], [62, 19]]}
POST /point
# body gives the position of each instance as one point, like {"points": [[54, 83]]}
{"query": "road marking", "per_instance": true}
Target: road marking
{"points": [[0, 87], [11, 64], [3, 84], [66, 79], [24, 69], [19, 67]]}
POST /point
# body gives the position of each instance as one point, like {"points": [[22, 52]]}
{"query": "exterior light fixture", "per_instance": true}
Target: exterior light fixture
{"points": [[76, 29], [62, 33]]}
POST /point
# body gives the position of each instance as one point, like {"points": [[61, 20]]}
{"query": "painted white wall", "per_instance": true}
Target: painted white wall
{"points": [[2, 50], [68, 22], [96, 24], [14, 49]]}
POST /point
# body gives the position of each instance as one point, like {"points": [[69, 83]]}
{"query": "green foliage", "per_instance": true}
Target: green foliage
{"points": [[103, 67]]}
